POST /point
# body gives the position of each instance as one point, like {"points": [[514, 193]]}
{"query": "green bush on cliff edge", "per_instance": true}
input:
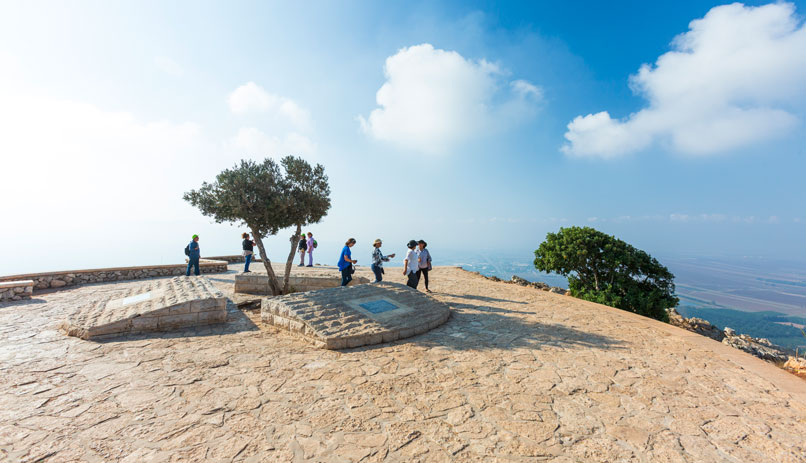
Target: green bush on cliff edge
{"points": [[602, 268]]}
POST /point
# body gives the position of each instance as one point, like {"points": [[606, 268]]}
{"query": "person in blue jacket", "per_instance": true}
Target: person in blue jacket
{"points": [[193, 256], [346, 262]]}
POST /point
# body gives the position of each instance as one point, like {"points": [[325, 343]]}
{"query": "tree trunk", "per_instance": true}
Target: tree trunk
{"points": [[273, 284], [290, 261]]}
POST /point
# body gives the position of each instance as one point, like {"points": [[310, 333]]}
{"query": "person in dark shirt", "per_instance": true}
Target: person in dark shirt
{"points": [[248, 245], [193, 256], [303, 246]]}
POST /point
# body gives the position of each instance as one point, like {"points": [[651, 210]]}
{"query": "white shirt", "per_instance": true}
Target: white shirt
{"points": [[411, 257]]}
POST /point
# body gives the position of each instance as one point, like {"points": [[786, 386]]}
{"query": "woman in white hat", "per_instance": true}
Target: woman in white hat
{"points": [[378, 259]]}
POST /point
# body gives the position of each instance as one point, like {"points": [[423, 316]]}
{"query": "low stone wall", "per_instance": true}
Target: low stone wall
{"points": [[234, 259], [16, 290], [53, 280], [259, 283]]}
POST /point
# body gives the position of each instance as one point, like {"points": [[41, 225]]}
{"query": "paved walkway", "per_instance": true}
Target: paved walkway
{"points": [[516, 374]]}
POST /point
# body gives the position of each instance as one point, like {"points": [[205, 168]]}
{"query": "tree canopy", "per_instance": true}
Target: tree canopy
{"points": [[604, 269], [267, 197]]}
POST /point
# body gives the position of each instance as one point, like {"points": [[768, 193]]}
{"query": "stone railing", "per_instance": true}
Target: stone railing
{"points": [[259, 283], [16, 290], [67, 278]]}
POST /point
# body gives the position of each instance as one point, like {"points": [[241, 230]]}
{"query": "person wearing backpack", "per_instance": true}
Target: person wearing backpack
{"points": [[193, 253], [311, 246], [248, 247], [303, 246]]}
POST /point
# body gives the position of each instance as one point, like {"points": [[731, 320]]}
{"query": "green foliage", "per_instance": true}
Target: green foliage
{"points": [[266, 198], [604, 269]]}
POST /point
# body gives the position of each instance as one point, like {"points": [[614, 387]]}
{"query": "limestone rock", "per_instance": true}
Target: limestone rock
{"points": [[760, 347], [697, 325]]}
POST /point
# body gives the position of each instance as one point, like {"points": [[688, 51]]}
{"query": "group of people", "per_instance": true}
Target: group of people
{"points": [[415, 266], [306, 246]]}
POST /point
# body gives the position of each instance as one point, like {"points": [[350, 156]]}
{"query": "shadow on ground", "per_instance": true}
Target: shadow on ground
{"points": [[485, 328], [481, 298]]}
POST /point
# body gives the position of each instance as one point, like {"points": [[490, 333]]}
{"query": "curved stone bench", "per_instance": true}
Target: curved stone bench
{"points": [[16, 290]]}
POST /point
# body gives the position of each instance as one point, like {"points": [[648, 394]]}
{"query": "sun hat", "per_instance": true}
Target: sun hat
{"points": [[411, 244]]}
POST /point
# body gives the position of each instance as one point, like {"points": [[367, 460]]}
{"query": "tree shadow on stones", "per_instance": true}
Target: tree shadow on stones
{"points": [[22, 302], [481, 298], [237, 322], [489, 328]]}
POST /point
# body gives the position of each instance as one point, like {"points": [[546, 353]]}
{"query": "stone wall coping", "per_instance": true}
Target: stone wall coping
{"points": [[15, 284], [27, 276]]}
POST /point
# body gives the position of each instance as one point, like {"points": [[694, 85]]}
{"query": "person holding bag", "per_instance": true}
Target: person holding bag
{"points": [[346, 262]]}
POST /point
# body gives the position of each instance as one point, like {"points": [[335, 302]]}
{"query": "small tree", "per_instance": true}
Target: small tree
{"points": [[267, 199], [604, 269]]}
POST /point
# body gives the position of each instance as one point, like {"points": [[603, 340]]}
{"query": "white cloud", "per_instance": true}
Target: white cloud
{"points": [[252, 98], [169, 66], [257, 144], [433, 99], [737, 77]]}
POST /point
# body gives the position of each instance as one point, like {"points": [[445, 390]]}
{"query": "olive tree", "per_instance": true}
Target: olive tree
{"points": [[604, 269], [266, 198]]}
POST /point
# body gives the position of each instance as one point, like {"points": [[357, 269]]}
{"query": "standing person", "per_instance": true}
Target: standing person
{"points": [[311, 245], [194, 254], [425, 262], [346, 262], [303, 246], [411, 265], [248, 245], [378, 259]]}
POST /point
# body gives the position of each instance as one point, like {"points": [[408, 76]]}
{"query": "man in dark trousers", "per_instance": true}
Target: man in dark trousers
{"points": [[411, 266], [303, 246], [193, 256]]}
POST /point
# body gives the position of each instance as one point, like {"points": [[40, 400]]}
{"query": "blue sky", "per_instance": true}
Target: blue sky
{"points": [[472, 125]]}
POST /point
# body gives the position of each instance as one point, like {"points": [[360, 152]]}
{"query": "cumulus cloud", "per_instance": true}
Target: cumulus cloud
{"points": [[738, 76], [433, 99], [252, 98]]}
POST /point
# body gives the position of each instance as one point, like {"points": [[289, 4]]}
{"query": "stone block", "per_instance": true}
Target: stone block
{"points": [[207, 318], [145, 323], [179, 309], [177, 321], [202, 305]]}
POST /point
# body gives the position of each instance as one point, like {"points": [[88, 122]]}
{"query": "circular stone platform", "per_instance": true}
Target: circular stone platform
{"points": [[157, 305], [344, 317]]}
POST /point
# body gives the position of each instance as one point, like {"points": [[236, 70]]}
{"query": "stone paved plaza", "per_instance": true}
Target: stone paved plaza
{"points": [[516, 374]]}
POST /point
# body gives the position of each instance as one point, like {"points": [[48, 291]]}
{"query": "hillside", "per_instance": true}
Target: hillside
{"points": [[516, 374]]}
